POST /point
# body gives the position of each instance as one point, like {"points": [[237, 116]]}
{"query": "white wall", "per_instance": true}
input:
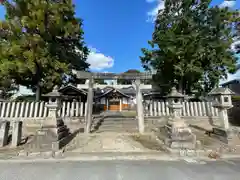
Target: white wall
{"points": [[125, 100], [103, 100]]}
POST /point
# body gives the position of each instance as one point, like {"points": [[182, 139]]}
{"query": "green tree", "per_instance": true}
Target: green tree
{"points": [[237, 34], [41, 41], [190, 46], [7, 87], [126, 81]]}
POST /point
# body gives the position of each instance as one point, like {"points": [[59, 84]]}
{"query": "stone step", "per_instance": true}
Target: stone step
{"points": [[120, 121], [115, 127], [121, 125], [116, 130], [118, 124]]}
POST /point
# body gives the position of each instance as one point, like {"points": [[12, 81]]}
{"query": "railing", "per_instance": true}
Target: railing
{"points": [[160, 108], [39, 110], [77, 109]]}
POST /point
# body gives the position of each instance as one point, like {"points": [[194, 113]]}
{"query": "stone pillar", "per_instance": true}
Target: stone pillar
{"points": [[140, 109], [89, 106], [223, 116], [4, 132], [16, 133]]}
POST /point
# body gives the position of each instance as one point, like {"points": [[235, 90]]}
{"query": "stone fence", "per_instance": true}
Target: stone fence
{"points": [[37, 110], [190, 109]]}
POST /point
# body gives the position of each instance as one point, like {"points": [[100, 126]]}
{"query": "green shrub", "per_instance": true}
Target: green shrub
{"points": [[236, 98]]}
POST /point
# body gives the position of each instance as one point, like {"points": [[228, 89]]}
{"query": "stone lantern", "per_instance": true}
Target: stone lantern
{"points": [[53, 129], [54, 102], [222, 101], [175, 100], [179, 134]]}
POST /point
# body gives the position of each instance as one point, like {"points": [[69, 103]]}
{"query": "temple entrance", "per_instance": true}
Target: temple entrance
{"points": [[115, 99], [114, 105]]}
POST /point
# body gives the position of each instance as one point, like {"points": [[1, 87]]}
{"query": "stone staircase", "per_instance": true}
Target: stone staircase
{"points": [[118, 124]]}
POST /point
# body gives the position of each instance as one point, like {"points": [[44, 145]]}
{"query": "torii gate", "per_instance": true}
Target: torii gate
{"points": [[136, 77]]}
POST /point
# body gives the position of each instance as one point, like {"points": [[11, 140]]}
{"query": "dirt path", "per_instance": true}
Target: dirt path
{"points": [[108, 142]]}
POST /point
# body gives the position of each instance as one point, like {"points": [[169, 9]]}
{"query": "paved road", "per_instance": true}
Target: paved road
{"points": [[117, 170]]}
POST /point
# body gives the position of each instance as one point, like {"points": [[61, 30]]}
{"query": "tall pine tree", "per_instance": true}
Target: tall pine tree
{"points": [[40, 42], [190, 46]]}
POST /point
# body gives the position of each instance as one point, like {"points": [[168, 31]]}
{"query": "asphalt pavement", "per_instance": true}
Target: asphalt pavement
{"points": [[120, 170]]}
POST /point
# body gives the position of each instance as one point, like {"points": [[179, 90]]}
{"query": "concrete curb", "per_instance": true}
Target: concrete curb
{"points": [[109, 157], [97, 158], [230, 156]]}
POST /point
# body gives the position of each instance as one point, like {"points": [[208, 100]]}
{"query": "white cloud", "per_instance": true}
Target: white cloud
{"points": [[153, 13], [230, 77], [235, 43], [228, 3], [99, 61]]}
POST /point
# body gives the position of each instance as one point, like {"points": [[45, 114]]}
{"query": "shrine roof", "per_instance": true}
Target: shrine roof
{"points": [[106, 91], [72, 88]]}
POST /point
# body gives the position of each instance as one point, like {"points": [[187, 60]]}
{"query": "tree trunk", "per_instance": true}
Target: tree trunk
{"points": [[38, 92], [181, 85]]}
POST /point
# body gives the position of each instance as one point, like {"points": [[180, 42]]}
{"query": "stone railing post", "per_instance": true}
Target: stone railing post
{"points": [[4, 132], [16, 133]]}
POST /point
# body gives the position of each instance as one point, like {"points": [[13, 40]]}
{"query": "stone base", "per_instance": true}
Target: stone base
{"points": [[185, 152], [51, 137], [226, 136], [179, 135], [180, 144]]}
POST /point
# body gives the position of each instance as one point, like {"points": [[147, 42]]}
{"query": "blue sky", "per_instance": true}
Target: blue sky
{"points": [[116, 30]]}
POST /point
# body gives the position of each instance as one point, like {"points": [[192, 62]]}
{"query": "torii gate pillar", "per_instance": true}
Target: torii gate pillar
{"points": [[140, 109], [88, 117]]}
